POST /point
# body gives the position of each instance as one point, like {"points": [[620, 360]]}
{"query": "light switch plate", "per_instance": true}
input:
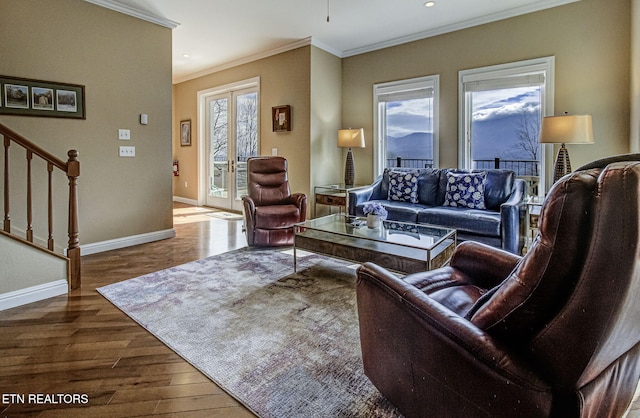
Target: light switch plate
{"points": [[124, 134], [127, 151]]}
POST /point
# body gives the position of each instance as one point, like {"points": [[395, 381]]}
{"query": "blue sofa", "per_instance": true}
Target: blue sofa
{"points": [[501, 223]]}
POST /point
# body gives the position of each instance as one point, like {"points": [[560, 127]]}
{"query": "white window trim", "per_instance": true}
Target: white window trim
{"points": [[379, 128], [491, 74]]}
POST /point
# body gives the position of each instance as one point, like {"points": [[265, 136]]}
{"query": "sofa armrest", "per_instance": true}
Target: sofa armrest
{"points": [[363, 194], [423, 357], [512, 215]]}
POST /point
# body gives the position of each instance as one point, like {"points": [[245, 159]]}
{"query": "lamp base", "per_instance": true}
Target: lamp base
{"points": [[349, 170], [563, 164]]}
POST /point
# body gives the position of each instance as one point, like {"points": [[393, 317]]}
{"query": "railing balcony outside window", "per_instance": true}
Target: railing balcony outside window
{"points": [[520, 167]]}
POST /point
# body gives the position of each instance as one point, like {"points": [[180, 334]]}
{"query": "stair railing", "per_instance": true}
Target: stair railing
{"points": [[72, 170]]}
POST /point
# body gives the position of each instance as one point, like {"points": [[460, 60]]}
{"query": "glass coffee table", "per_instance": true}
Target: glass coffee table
{"points": [[398, 246]]}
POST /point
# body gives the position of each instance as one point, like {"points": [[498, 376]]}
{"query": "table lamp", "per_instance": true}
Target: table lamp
{"points": [[350, 138], [567, 129]]}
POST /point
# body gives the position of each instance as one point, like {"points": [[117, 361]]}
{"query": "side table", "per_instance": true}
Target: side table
{"points": [[333, 195], [534, 205]]}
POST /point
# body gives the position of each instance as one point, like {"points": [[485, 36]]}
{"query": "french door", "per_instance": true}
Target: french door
{"points": [[231, 129]]}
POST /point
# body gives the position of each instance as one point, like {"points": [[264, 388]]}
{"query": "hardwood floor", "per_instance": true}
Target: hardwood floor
{"points": [[82, 345]]}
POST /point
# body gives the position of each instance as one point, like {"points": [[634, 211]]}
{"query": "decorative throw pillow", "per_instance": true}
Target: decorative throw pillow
{"points": [[465, 190], [403, 186]]}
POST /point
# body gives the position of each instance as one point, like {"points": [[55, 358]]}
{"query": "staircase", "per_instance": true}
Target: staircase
{"points": [[22, 252]]}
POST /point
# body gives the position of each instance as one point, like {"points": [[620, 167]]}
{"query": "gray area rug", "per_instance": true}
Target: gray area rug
{"points": [[284, 344]]}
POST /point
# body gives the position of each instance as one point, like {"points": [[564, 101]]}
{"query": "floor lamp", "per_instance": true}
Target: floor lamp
{"points": [[350, 138], [568, 129]]}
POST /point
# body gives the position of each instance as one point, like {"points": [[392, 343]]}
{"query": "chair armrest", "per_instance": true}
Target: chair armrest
{"points": [[424, 357], [362, 195], [249, 209], [300, 201], [485, 266], [472, 263], [512, 215]]}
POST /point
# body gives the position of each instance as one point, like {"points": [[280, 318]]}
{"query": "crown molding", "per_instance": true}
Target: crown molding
{"points": [[132, 11], [516, 11], [255, 57]]}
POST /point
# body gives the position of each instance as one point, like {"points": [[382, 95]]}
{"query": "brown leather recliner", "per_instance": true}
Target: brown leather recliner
{"points": [[554, 333], [270, 210]]}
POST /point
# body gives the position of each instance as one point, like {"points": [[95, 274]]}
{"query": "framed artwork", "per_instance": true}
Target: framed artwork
{"points": [[28, 97], [281, 117], [185, 132]]}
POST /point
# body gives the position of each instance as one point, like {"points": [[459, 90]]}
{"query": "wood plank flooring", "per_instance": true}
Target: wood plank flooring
{"points": [[82, 345]]}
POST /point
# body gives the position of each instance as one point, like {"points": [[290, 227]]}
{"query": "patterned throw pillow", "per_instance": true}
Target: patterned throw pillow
{"points": [[465, 190], [403, 186]]}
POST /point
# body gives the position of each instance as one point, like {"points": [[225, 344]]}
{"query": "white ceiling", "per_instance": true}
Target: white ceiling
{"points": [[217, 34]]}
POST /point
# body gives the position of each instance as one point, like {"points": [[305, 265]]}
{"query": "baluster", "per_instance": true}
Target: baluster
{"points": [[29, 201], [7, 220], [73, 251], [50, 245]]}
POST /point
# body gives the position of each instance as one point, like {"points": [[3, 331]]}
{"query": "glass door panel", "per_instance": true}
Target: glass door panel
{"points": [[246, 138], [218, 168]]}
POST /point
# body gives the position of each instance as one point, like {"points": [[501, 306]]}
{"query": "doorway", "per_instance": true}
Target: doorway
{"points": [[230, 129]]}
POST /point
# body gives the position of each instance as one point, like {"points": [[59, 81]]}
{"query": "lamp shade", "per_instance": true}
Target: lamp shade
{"points": [[574, 129], [351, 138]]}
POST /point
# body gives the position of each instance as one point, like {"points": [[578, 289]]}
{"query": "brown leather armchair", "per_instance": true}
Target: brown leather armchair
{"points": [[270, 210], [553, 333]]}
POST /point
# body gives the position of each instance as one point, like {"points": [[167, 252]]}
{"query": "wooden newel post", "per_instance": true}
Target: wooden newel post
{"points": [[7, 218], [73, 251]]}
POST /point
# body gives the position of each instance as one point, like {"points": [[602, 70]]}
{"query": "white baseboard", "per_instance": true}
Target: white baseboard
{"points": [[185, 200], [114, 244], [33, 294]]}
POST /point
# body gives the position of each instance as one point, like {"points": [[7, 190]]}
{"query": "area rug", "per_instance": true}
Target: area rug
{"points": [[283, 344]]}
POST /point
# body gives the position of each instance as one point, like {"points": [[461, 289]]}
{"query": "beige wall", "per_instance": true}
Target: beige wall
{"points": [[125, 65], [326, 160], [590, 40], [284, 80]]}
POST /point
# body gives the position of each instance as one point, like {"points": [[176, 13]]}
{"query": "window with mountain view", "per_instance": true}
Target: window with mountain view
{"points": [[505, 124], [501, 109], [407, 133]]}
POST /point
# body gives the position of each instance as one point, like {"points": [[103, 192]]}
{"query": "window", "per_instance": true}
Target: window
{"points": [[501, 109], [407, 123]]}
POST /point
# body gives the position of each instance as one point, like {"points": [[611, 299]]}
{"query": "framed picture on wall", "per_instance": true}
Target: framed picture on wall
{"points": [[281, 117], [28, 97], [185, 132]]}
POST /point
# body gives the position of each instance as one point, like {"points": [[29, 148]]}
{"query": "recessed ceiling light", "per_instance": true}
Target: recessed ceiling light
{"points": [[430, 4], [185, 55]]}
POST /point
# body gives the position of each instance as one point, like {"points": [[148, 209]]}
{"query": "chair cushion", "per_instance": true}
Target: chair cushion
{"points": [[276, 216], [465, 190], [403, 186]]}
